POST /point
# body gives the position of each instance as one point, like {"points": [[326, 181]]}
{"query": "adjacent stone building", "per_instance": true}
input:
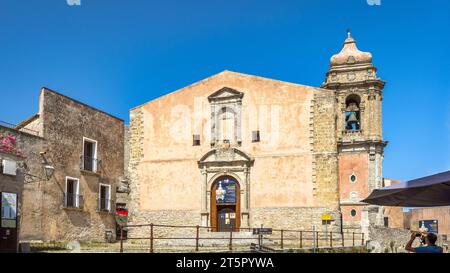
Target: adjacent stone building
{"points": [[82, 155], [393, 217], [439, 217], [236, 151], [19, 163]]}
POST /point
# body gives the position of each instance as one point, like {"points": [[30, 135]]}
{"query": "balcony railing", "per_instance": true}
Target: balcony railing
{"points": [[88, 163], [351, 132], [73, 201], [105, 204]]}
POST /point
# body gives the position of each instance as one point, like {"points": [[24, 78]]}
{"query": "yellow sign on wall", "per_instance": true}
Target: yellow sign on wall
{"points": [[326, 217]]}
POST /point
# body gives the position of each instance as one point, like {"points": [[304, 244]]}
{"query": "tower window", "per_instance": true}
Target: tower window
{"points": [[196, 140], [353, 213], [352, 113], [255, 136]]}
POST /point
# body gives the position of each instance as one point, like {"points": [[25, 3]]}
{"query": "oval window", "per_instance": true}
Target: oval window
{"points": [[353, 213], [353, 178]]}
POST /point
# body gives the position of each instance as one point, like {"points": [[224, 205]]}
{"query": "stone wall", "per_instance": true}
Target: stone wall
{"points": [[135, 138], [392, 240], [30, 172], [126, 147], [441, 214], [301, 218], [325, 166], [295, 218], [164, 217], [64, 123], [123, 187]]}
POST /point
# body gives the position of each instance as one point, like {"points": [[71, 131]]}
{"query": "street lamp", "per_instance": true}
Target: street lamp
{"points": [[49, 170]]}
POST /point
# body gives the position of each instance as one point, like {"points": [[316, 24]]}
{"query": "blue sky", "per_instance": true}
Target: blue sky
{"points": [[118, 54]]}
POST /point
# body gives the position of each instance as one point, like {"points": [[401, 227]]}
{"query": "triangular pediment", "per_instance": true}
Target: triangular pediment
{"points": [[225, 93], [221, 156]]}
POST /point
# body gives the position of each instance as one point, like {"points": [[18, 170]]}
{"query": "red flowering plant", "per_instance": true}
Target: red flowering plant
{"points": [[8, 144]]}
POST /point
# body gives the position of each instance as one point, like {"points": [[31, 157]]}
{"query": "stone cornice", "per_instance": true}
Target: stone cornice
{"points": [[340, 85], [364, 145], [347, 68]]}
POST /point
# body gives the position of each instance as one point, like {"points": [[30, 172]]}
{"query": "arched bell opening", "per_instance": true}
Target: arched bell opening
{"points": [[352, 113]]}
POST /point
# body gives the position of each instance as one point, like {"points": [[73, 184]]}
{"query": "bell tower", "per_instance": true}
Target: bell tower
{"points": [[358, 91]]}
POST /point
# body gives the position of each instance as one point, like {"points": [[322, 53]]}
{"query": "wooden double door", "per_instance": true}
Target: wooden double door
{"points": [[225, 205]]}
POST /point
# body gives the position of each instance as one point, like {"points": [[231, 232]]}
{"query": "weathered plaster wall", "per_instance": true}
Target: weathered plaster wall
{"points": [[349, 164], [163, 162], [353, 163], [441, 214]]}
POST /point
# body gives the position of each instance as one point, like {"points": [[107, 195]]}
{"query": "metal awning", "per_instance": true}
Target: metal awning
{"points": [[430, 191]]}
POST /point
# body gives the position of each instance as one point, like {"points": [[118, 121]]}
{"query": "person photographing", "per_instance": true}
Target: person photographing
{"points": [[427, 243]]}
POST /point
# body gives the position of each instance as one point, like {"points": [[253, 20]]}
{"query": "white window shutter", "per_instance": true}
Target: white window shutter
{"points": [[109, 198], [9, 167]]}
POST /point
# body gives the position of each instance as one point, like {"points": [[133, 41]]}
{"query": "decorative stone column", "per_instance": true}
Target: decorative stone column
{"points": [[246, 200], [204, 201], [370, 218], [365, 223]]}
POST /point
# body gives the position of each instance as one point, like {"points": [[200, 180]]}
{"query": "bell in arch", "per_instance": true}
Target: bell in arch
{"points": [[352, 121], [352, 117]]}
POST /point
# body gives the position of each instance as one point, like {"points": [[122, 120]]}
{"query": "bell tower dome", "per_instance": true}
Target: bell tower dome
{"points": [[358, 91]]}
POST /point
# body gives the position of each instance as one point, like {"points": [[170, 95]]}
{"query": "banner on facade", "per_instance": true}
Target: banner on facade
{"points": [[429, 226], [121, 217], [226, 191]]}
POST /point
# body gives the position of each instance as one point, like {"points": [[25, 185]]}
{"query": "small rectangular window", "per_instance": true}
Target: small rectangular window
{"points": [[196, 140], [255, 136], [386, 221], [72, 198], [105, 197], [89, 160]]}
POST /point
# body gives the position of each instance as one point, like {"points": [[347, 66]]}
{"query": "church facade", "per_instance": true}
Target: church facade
{"points": [[237, 151]]}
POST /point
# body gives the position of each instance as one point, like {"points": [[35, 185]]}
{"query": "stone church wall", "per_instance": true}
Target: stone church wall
{"points": [[294, 175], [323, 130]]}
